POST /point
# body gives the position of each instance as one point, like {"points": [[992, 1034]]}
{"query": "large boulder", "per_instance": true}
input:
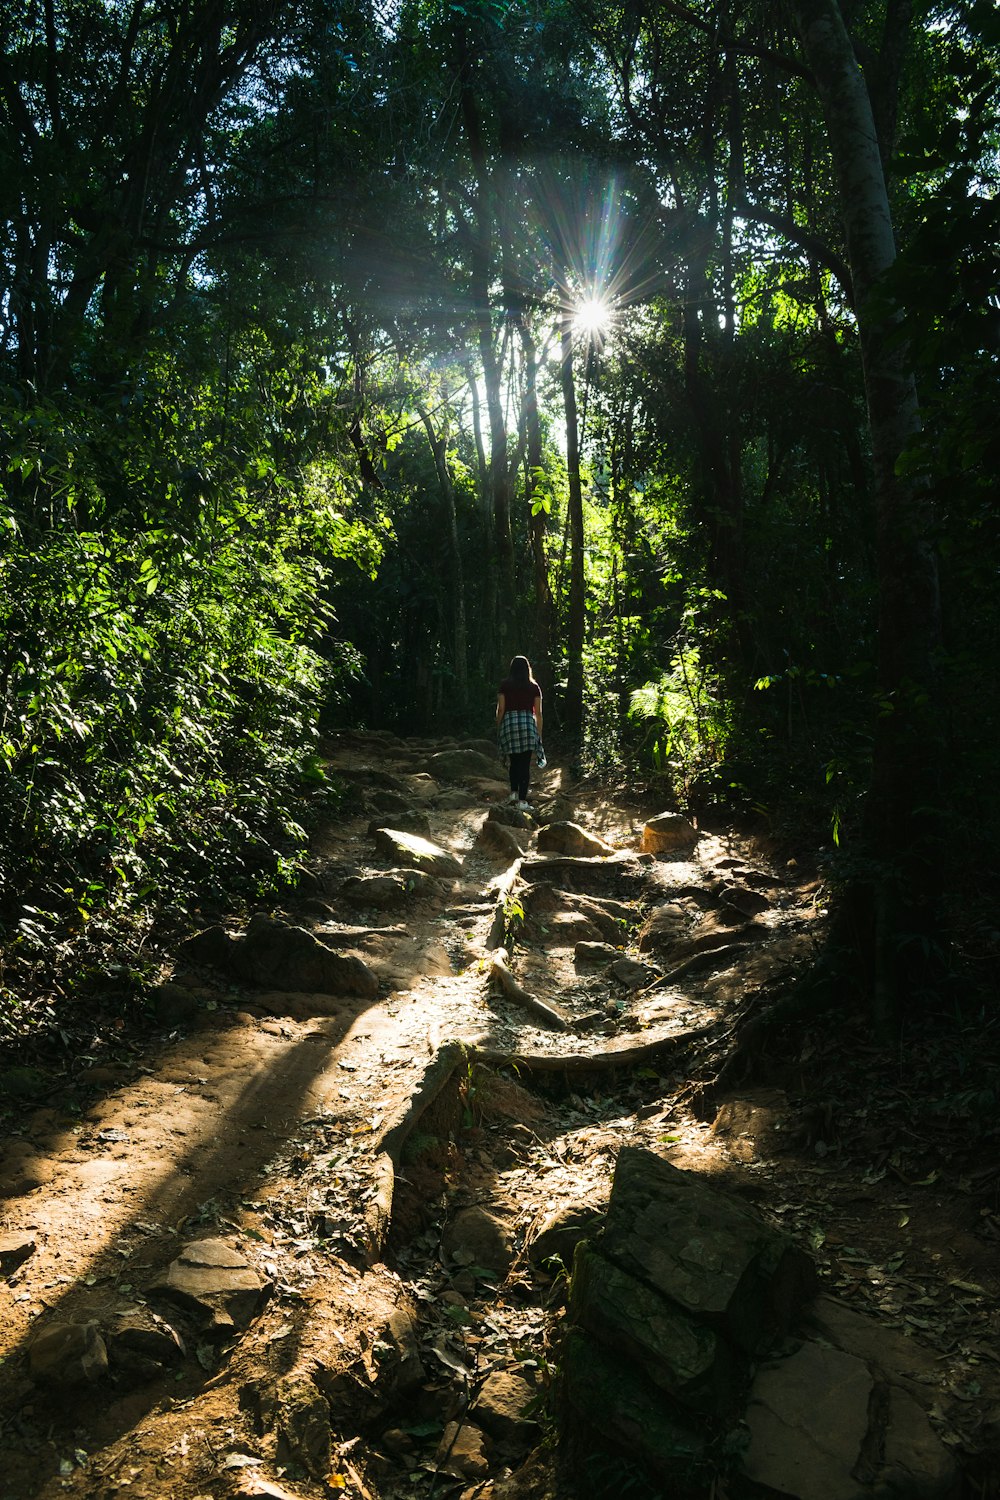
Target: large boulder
{"points": [[463, 765], [388, 890], [608, 1405], [410, 820], [276, 955], [711, 1256], [685, 1358], [419, 853], [823, 1426], [668, 832], [570, 838]]}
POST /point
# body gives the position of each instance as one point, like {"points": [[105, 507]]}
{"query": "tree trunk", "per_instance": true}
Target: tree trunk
{"points": [[904, 821], [577, 598], [481, 273], [542, 650], [439, 448]]}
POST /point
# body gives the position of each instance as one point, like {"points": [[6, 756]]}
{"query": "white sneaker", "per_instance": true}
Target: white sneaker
{"points": [[524, 807], [511, 800]]}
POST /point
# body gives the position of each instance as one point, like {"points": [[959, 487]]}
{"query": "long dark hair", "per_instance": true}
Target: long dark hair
{"points": [[520, 670]]}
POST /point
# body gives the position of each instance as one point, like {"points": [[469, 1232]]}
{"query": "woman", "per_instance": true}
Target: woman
{"points": [[519, 725]]}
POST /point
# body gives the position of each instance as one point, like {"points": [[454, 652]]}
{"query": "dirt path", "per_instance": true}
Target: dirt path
{"points": [[335, 1142]]}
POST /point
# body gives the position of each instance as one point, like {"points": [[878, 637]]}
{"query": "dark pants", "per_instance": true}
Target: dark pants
{"points": [[520, 773]]}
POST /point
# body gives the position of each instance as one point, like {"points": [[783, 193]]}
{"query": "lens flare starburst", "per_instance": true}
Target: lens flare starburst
{"points": [[592, 316]]}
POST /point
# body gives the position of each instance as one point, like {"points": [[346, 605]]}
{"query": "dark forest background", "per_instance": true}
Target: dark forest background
{"points": [[347, 349]]}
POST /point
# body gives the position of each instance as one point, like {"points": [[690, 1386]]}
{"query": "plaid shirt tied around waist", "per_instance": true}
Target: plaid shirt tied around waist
{"points": [[518, 732]]}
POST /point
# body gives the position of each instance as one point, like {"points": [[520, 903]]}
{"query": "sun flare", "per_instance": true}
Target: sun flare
{"points": [[592, 316]]}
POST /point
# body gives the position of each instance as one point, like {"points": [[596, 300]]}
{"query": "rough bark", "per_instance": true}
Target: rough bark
{"points": [[481, 272], [439, 448], [577, 596], [543, 631], [904, 816]]}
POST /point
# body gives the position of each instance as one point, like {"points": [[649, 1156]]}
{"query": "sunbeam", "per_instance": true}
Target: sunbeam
{"points": [[592, 316]]}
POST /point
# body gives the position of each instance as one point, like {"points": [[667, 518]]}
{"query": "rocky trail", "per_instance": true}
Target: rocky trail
{"points": [[315, 1238]]}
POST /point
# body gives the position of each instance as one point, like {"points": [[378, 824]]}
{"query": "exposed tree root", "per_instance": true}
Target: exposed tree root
{"points": [[500, 972], [448, 1059]]}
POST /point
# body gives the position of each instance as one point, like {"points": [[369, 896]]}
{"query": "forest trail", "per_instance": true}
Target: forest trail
{"points": [[381, 1166]]}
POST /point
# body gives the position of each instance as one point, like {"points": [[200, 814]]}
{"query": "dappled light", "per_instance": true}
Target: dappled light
{"points": [[497, 750]]}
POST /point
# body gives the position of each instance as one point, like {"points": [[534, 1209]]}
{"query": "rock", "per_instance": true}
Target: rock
{"points": [[463, 765], [889, 1353], [142, 1344], [630, 974], [565, 929], [712, 1257], [397, 1442], [665, 926], [683, 1357], [605, 1397], [303, 1425], [384, 801], [462, 1451], [620, 871], [595, 953], [420, 854], [482, 747], [409, 821], [498, 838], [560, 1233], [808, 1417], [713, 934], [821, 1429], [274, 955], [368, 776], [914, 1459], [511, 816], [500, 1407], [570, 838], [401, 1366], [16, 1246], [609, 919], [666, 832], [173, 1005], [475, 1237], [456, 799], [386, 891], [68, 1354], [213, 1280], [743, 900]]}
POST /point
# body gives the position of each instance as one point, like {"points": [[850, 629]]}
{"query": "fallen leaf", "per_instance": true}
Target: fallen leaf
{"points": [[240, 1461]]}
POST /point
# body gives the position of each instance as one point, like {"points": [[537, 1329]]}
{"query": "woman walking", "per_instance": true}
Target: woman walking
{"points": [[519, 725]]}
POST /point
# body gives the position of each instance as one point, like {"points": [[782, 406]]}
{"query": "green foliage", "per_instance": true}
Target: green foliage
{"points": [[513, 920], [161, 610], [687, 722]]}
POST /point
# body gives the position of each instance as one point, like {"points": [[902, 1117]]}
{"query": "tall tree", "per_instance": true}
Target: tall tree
{"points": [[905, 814]]}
